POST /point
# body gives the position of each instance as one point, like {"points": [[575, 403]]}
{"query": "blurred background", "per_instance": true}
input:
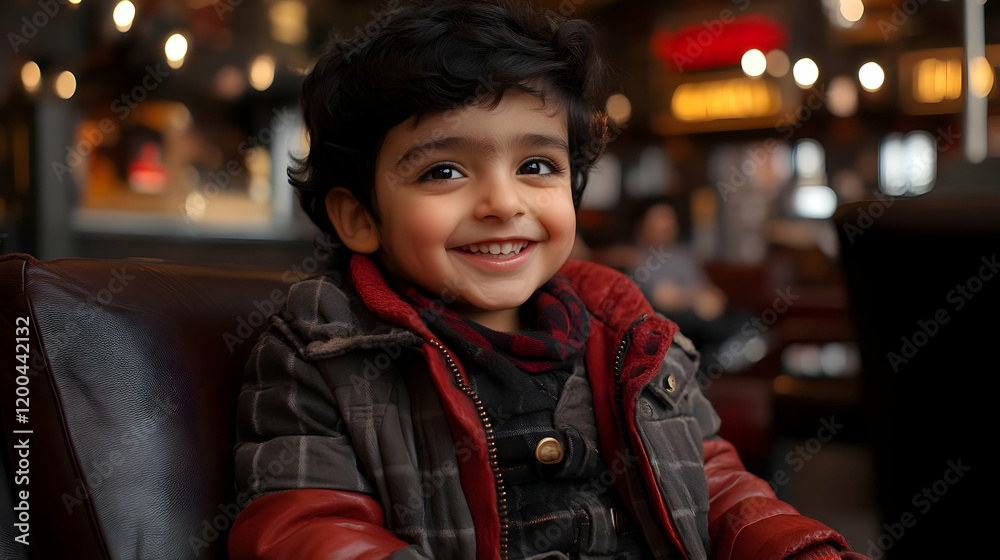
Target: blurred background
{"points": [[149, 128]]}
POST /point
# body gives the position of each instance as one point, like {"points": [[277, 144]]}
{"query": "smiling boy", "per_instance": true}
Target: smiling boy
{"points": [[458, 388], [486, 211]]}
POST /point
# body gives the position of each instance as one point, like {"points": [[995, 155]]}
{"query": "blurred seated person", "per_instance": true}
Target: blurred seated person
{"points": [[675, 283], [673, 279]]}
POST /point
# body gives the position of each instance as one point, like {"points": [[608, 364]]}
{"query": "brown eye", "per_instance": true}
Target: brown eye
{"points": [[442, 173], [536, 167]]}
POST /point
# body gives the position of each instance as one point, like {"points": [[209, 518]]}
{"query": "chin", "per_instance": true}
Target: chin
{"points": [[495, 304]]}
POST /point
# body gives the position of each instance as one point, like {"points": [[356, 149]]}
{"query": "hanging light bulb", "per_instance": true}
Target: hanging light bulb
{"points": [[262, 72], [176, 49], [65, 85], [31, 76], [123, 15], [753, 62], [871, 76], [805, 72]]}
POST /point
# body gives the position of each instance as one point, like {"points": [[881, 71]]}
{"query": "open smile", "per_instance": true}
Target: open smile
{"points": [[506, 249], [497, 256]]}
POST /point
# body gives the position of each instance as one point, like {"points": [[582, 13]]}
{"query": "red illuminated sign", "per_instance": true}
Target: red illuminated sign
{"points": [[717, 43]]}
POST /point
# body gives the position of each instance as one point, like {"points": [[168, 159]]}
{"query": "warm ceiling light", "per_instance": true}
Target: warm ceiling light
{"points": [[736, 98], [123, 15], [262, 72], [935, 80], [65, 85], [289, 22], [176, 49], [871, 76], [619, 108], [981, 76], [852, 10], [805, 72], [753, 62], [31, 76]]}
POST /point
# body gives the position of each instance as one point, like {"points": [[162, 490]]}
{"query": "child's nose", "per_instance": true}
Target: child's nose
{"points": [[501, 198]]}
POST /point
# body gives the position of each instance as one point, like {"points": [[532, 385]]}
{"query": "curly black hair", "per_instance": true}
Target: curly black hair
{"points": [[428, 57]]}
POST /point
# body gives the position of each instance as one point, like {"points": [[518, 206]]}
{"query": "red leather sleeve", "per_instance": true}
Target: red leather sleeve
{"points": [[746, 520], [312, 524]]}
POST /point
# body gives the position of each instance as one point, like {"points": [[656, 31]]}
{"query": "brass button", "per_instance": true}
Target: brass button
{"points": [[619, 521], [549, 451], [671, 383], [647, 408]]}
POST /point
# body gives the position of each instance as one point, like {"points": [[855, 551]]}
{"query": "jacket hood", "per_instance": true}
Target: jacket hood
{"points": [[323, 320], [612, 297]]}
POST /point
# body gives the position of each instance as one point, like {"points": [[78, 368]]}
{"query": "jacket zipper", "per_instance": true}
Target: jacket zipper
{"points": [[657, 543], [490, 446], [619, 364], [620, 386]]}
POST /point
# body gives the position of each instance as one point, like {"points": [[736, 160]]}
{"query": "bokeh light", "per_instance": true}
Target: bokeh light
{"points": [[65, 85], [754, 63], [31, 76], [123, 15], [805, 72], [262, 72], [176, 49], [871, 76]]}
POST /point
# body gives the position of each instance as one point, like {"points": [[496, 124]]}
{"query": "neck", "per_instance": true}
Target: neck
{"points": [[501, 320]]}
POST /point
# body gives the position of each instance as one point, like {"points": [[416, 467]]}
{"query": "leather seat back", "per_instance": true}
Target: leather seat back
{"points": [[129, 398]]}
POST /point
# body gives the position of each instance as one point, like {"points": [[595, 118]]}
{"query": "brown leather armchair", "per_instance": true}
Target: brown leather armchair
{"points": [[119, 392]]}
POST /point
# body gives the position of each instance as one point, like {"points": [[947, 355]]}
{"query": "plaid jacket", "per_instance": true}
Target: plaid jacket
{"points": [[359, 437]]}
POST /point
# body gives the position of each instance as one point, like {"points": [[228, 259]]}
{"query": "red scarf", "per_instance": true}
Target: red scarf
{"points": [[556, 332]]}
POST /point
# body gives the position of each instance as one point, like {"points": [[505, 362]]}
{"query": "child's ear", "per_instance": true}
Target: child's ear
{"points": [[354, 223]]}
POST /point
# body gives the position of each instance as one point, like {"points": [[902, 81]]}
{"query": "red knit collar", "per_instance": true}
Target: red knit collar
{"points": [[612, 297]]}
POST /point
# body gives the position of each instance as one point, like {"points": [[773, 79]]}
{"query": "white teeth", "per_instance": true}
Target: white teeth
{"points": [[507, 248]]}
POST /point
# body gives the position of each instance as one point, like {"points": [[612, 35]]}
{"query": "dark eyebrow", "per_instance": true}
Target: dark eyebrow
{"points": [[526, 140]]}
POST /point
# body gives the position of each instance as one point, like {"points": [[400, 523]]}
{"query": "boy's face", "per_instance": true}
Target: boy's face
{"points": [[476, 206]]}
